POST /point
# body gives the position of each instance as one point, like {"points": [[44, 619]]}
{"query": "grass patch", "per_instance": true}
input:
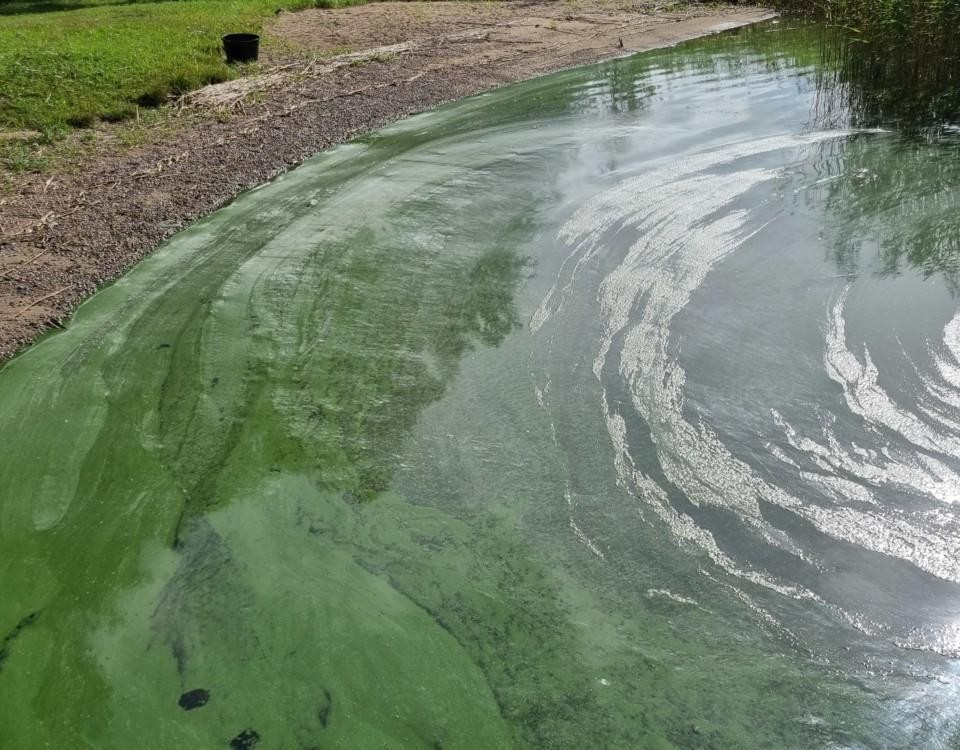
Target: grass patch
{"points": [[23, 157], [66, 149], [73, 63], [68, 64]]}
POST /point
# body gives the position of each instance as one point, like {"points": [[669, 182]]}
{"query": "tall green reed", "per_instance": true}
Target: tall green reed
{"points": [[893, 62]]}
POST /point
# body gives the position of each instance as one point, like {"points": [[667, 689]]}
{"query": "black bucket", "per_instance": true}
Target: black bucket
{"points": [[241, 47]]}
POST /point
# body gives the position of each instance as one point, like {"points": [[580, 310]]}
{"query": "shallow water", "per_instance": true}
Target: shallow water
{"points": [[619, 408]]}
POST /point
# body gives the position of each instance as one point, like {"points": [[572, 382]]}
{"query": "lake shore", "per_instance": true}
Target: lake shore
{"points": [[65, 234]]}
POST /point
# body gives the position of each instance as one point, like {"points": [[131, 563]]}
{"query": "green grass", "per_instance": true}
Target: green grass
{"points": [[72, 63], [67, 64]]}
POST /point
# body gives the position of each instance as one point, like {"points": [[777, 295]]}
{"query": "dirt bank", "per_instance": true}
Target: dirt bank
{"points": [[63, 235]]}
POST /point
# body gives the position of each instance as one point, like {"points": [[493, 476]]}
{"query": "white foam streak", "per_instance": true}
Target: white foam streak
{"points": [[915, 472], [677, 248], [685, 220], [905, 441], [685, 225], [866, 398]]}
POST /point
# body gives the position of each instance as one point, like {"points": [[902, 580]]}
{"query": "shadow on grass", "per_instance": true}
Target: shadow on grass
{"points": [[26, 7], [23, 7]]}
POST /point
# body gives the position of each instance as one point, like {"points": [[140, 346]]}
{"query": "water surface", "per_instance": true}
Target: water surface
{"points": [[620, 408]]}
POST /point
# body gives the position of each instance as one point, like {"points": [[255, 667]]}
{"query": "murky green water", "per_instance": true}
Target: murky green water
{"points": [[618, 409]]}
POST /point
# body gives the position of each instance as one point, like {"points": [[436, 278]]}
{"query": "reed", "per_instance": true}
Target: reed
{"points": [[893, 62]]}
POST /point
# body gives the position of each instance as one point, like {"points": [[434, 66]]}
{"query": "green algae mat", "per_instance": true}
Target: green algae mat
{"points": [[616, 409]]}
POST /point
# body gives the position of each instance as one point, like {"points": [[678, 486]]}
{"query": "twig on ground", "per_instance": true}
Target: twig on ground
{"points": [[6, 274], [43, 298]]}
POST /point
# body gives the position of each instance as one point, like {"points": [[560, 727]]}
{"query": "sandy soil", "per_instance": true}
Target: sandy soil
{"points": [[341, 72]]}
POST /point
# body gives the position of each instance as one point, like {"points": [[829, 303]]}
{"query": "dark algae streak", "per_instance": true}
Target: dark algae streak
{"points": [[191, 699], [246, 740], [616, 409], [326, 707], [7, 642]]}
